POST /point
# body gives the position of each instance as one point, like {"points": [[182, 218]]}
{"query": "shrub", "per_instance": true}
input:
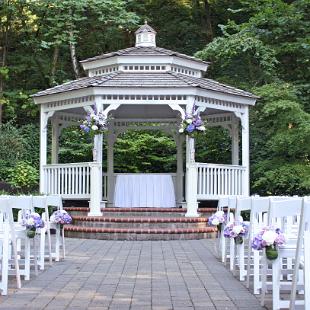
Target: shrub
{"points": [[23, 176]]}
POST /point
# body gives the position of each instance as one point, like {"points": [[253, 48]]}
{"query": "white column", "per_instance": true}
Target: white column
{"points": [[191, 172], [110, 166], [245, 151], [96, 172], [43, 147], [235, 142], [95, 189], [55, 140], [180, 172]]}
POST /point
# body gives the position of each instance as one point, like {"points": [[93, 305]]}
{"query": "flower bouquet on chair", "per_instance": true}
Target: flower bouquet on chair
{"points": [[269, 239], [32, 221], [61, 217], [217, 219], [236, 230]]}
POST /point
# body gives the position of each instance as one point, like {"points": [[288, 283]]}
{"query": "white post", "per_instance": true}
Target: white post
{"points": [[55, 141], [96, 173], [245, 151], [43, 147], [95, 189], [191, 173], [235, 142], [180, 171], [110, 166]]}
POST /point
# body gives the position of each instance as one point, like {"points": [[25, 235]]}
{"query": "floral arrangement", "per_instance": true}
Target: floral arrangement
{"points": [[269, 239], [61, 217], [192, 124], [95, 123], [32, 221], [217, 219], [236, 230]]}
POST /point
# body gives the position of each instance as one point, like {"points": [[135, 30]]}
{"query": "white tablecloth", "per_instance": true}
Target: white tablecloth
{"points": [[144, 190]]}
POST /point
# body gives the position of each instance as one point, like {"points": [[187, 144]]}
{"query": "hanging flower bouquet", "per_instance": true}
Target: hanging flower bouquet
{"points": [[32, 221], [269, 239], [192, 124], [217, 219], [236, 230], [94, 124], [61, 217]]}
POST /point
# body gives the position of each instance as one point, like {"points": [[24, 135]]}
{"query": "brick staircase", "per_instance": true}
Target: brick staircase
{"points": [[139, 224]]}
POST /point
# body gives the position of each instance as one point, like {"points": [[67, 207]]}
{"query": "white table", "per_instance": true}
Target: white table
{"points": [[144, 191]]}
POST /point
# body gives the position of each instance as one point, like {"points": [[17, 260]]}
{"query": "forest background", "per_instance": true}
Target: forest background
{"points": [[262, 46]]}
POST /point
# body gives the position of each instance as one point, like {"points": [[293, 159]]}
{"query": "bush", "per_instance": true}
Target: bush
{"points": [[23, 176]]}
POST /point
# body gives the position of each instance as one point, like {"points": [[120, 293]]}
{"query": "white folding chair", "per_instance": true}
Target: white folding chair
{"points": [[282, 214], [55, 201], [24, 205], [302, 258], [222, 203], [40, 202], [242, 204], [7, 238], [258, 220], [232, 201]]}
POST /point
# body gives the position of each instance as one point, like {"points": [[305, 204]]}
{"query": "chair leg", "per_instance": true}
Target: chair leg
{"points": [[232, 254], [42, 248], [57, 244], [223, 248], [241, 262], [63, 243], [5, 266], [276, 267], [256, 273], [27, 259], [264, 279]]}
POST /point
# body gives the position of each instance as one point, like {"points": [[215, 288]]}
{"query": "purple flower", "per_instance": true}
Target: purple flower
{"points": [[190, 128], [198, 122], [61, 217]]}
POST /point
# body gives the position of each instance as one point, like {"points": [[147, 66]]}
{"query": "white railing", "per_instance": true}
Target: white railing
{"points": [[219, 180], [67, 180]]}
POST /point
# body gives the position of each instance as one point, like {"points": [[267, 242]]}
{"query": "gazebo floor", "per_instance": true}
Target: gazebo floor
{"points": [[139, 224]]}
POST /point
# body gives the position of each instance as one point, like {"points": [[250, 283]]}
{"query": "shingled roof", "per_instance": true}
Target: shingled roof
{"points": [[143, 51], [144, 80]]}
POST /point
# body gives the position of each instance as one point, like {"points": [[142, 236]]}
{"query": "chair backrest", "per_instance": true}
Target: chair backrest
{"points": [[21, 202], [54, 201], [306, 213], [6, 215], [40, 202], [285, 214], [243, 204]]}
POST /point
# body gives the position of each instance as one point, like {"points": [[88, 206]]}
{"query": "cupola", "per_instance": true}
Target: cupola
{"points": [[145, 36]]}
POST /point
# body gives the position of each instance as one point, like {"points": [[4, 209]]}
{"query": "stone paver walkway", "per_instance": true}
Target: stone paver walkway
{"points": [[158, 275]]}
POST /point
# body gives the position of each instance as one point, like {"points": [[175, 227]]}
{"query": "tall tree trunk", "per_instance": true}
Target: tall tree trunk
{"points": [[74, 61], [208, 22], [54, 65], [3, 50]]}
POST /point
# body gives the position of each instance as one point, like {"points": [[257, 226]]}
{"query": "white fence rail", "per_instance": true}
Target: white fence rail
{"points": [[71, 181], [219, 180]]}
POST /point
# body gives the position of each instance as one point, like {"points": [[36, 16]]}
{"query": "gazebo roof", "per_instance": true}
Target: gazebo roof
{"points": [[121, 79], [143, 51]]}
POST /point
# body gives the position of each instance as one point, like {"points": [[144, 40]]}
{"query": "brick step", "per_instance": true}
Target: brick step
{"points": [[139, 233], [140, 222]]}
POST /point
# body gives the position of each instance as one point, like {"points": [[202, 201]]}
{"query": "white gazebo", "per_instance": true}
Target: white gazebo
{"points": [[145, 88]]}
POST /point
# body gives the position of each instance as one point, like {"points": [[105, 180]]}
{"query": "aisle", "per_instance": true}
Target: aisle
{"points": [[134, 275]]}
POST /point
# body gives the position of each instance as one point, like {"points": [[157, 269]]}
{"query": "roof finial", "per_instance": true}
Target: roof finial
{"points": [[145, 22]]}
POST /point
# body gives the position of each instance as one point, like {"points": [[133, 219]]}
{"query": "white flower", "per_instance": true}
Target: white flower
{"points": [[269, 237], [92, 115], [201, 128], [237, 229], [181, 130], [215, 222], [94, 127], [30, 221], [219, 213], [189, 121]]}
